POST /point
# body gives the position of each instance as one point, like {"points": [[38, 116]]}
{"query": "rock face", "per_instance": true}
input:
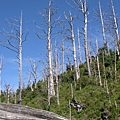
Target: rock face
{"points": [[20, 112]]}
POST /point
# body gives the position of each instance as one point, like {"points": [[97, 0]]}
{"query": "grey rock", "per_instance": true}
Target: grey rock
{"points": [[20, 112]]}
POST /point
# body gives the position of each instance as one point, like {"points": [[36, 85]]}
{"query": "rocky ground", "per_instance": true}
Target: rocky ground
{"points": [[19, 112]]}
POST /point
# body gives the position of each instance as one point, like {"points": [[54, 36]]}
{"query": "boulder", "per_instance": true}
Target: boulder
{"points": [[20, 112]]}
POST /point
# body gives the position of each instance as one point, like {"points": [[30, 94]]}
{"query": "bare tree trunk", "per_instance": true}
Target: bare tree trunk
{"points": [[8, 92], [33, 72], [104, 71], [108, 93], [95, 73], [63, 55], [29, 80], [115, 63], [100, 82], [51, 91], [15, 98], [74, 55], [47, 32], [0, 76], [85, 37], [71, 30], [16, 46], [57, 73], [79, 48], [103, 28], [20, 62], [79, 53], [82, 7], [116, 29]]}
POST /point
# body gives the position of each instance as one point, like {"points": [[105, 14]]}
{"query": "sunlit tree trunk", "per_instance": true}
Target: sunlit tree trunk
{"points": [[0, 76], [62, 46], [115, 64], [33, 72], [82, 7], [103, 28], [16, 34], [51, 91], [100, 82], [57, 73], [7, 86], [29, 80], [104, 70], [79, 48], [71, 30], [116, 29], [85, 36], [20, 62], [49, 24]]}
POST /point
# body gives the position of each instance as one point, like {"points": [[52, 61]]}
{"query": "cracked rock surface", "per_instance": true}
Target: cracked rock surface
{"points": [[20, 112]]}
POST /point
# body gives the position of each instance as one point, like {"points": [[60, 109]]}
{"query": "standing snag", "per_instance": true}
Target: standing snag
{"points": [[103, 29], [71, 37], [33, 72], [82, 7], [1, 66], [49, 24], [15, 43]]}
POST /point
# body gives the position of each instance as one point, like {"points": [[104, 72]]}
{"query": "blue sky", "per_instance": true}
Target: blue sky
{"points": [[33, 47]]}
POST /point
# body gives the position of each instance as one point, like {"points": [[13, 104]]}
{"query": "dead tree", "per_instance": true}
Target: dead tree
{"points": [[57, 74], [49, 24], [79, 52], [1, 66], [63, 55], [100, 14], [29, 80], [71, 37], [100, 82], [34, 68], [115, 28], [7, 87], [15, 43], [79, 48], [104, 70], [82, 8]]}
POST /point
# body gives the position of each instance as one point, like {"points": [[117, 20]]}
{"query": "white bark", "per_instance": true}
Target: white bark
{"points": [[49, 25], [29, 80], [72, 37], [20, 62], [100, 82], [1, 65], [79, 48], [17, 35], [57, 73], [103, 27], [116, 29], [79, 52], [104, 70], [8, 92], [62, 46], [84, 10], [115, 64], [82, 7], [34, 68], [51, 91]]}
